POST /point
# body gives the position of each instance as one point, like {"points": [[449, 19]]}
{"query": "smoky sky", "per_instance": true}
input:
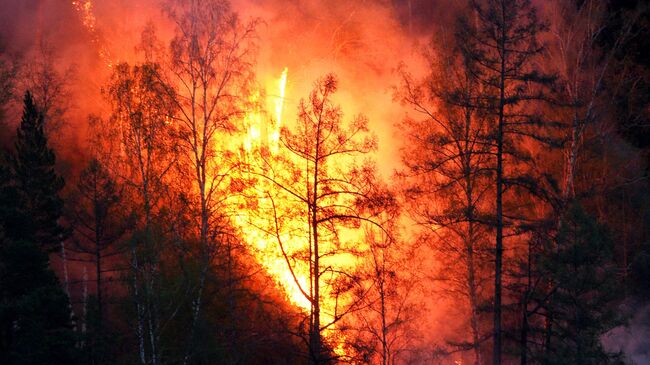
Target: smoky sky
{"points": [[363, 42]]}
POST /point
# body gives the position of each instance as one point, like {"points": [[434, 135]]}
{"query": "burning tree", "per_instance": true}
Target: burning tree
{"points": [[318, 195]]}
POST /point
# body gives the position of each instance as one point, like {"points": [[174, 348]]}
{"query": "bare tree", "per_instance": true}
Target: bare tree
{"points": [[142, 114], [8, 76], [384, 326], [210, 69], [51, 87]]}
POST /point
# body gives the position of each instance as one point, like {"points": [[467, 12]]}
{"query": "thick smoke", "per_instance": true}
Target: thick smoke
{"points": [[363, 42], [633, 339]]}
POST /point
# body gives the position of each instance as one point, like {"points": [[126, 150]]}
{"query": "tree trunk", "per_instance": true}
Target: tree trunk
{"points": [[499, 204], [498, 250], [473, 303], [199, 147], [98, 277], [523, 340], [139, 309], [315, 337], [469, 242], [384, 329]]}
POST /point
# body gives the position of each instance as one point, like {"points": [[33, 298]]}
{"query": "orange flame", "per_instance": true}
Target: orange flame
{"points": [[279, 104], [264, 132]]}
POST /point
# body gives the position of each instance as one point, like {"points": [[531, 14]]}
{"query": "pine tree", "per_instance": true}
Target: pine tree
{"points": [[99, 224], [448, 177], [35, 325], [37, 183], [11, 214], [500, 43], [585, 292]]}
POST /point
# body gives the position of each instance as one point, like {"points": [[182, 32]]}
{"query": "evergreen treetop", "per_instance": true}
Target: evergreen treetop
{"points": [[36, 181]]}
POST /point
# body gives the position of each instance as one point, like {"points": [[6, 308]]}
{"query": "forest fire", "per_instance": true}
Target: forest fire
{"points": [[324, 182], [275, 248], [263, 132]]}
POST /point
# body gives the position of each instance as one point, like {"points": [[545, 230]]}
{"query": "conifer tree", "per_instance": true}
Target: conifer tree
{"points": [[35, 326], [585, 291], [35, 323], [37, 183], [500, 43]]}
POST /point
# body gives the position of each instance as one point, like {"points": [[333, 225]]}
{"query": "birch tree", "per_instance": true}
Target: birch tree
{"points": [[210, 71], [142, 111], [582, 66]]}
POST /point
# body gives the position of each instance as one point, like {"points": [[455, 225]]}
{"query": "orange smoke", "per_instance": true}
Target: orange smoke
{"points": [[85, 10]]}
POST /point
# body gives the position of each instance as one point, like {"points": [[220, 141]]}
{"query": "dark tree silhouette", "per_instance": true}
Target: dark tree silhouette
{"points": [[36, 181], [35, 320], [35, 323], [498, 38], [98, 226], [585, 291], [448, 179]]}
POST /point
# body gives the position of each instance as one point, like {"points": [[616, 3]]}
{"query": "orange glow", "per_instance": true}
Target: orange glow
{"points": [[260, 144], [264, 247], [261, 139], [261, 133]]}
